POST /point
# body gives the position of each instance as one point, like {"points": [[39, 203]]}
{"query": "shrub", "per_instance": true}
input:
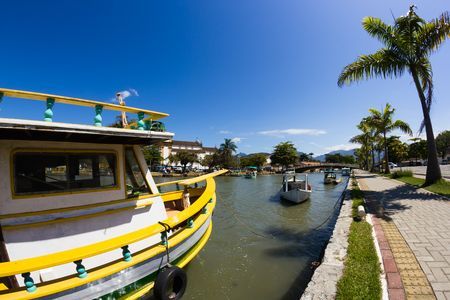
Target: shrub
{"points": [[402, 173]]}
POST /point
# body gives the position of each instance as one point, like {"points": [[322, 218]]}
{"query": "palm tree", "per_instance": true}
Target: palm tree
{"points": [[226, 150], [384, 123], [228, 146], [365, 139], [408, 45]]}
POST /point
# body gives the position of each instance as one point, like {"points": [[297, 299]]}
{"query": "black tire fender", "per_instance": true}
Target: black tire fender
{"points": [[170, 284]]}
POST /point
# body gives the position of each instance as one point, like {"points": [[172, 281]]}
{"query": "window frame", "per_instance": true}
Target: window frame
{"points": [[13, 153], [149, 192]]}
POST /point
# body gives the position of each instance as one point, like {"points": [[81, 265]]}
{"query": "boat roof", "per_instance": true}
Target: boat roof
{"points": [[135, 133], [17, 129], [78, 101]]}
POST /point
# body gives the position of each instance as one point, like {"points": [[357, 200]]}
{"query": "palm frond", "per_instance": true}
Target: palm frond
{"points": [[384, 63], [379, 30], [432, 34], [403, 126]]}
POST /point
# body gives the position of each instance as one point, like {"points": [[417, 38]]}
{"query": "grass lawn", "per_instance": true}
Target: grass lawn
{"points": [[361, 278], [442, 187]]}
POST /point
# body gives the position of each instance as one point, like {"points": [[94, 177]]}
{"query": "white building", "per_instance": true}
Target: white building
{"points": [[173, 147]]}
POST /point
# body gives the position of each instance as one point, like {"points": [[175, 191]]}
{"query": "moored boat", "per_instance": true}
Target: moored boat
{"points": [[289, 171], [251, 172], [345, 172], [81, 216], [329, 177], [295, 190]]}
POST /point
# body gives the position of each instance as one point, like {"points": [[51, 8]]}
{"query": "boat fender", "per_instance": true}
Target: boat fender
{"points": [[170, 284]]}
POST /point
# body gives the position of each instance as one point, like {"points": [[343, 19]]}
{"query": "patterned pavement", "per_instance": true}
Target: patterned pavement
{"points": [[416, 227]]}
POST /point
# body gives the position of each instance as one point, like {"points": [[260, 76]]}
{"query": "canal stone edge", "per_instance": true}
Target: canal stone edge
{"points": [[324, 280]]}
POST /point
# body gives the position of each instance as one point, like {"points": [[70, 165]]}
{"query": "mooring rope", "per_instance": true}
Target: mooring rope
{"points": [[167, 228]]}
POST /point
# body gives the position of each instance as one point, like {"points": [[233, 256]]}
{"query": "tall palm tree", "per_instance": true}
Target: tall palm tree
{"points": [[384, 123], [408, 45]]}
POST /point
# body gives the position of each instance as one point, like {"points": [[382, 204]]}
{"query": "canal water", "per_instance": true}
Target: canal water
{"points": [[261, 247]]}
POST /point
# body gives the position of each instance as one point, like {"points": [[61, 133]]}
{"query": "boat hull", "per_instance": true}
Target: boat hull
{"points": [[296, 196], [120, 280]]}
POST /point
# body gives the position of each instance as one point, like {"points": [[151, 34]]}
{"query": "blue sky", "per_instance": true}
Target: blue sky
{"points": [[260, 72]]}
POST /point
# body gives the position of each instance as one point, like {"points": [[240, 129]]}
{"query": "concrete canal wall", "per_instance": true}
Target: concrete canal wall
{"points": [[323, 282]]}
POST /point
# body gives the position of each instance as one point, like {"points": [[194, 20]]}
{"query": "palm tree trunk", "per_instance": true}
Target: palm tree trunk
{"points": [[373, 159], [386, 156], [379, 156], [433, 169]]}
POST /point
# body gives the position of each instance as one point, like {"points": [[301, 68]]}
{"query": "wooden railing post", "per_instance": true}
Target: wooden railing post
{"points": [[98, 115], [48, 114]]}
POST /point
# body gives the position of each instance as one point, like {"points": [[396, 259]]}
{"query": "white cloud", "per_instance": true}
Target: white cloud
{"points": [[342, 147], [292, 131], [237, 140], [224, 132]]}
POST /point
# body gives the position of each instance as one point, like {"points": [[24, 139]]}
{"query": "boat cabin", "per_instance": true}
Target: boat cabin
{"points": [[81, 216]]}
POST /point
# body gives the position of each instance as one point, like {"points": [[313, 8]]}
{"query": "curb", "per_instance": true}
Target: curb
{"points": [[324, 280]]}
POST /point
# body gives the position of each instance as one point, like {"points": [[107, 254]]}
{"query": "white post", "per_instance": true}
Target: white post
{"points": [[123, 114]]}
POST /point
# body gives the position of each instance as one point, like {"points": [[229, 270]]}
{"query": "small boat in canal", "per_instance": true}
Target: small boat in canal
{"points": [[329, 177], [295, 190], [80, 214], [289, 171], [345, 172], [251, 172]]}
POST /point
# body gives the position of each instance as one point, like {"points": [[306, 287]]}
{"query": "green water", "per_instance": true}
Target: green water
{"points": [[262, 248]]}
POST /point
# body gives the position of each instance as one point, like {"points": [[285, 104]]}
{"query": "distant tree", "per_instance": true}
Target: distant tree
{"points": [[368, 139], [443, 143], [408, 45], [185, 158], [398, 151], [383, 122], [211, 161], [361, 158], [284, 154], [152, 155], [226, 151], [339, 158], [258, 160], [418, 149], [302, 156]]}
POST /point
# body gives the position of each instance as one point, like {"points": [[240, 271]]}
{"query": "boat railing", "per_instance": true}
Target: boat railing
{"points": [[203, 206], [145, 118]]}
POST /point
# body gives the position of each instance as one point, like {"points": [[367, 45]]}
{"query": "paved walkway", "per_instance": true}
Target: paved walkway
{"points": [[422, 221]]}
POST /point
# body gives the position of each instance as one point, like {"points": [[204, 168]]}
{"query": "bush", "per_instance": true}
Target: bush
{"points": [[402, 173]]}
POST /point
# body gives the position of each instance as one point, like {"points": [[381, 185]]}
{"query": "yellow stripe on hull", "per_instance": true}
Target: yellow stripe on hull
{"points": [[67, 283], [190, 255]]}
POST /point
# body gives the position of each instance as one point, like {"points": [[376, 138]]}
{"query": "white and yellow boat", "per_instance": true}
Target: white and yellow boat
{"points": [[81, 216]]}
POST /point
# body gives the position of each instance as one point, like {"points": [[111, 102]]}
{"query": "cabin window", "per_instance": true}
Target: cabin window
{"points": [[38, 172], [136, 184]]}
